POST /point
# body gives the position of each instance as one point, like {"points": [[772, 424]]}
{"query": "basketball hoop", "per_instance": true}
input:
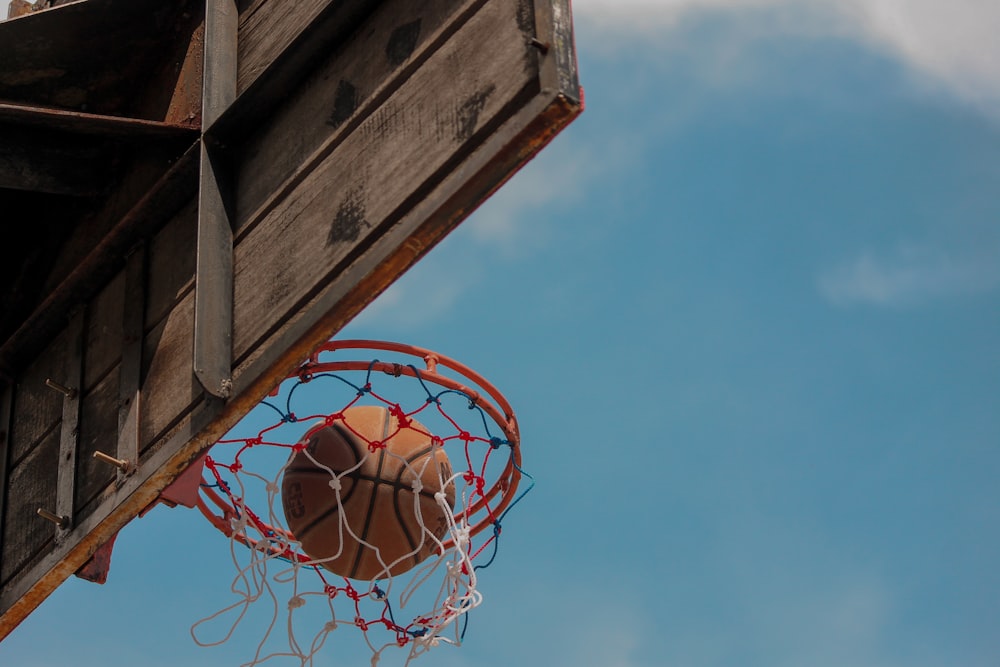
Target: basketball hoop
{"points": [[394, 556]]}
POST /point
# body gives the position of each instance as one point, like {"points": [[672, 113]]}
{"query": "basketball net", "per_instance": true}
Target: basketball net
{"points": [[284, 597]]}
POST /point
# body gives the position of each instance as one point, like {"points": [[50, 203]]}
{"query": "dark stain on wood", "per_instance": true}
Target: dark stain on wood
{"points": [[345, 103], [350, 220], [526, 17], [468, 113], [402, 42]]}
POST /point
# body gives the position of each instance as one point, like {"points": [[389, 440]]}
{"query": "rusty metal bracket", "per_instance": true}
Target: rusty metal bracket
{"points": [[184, 490], [96, 569]]}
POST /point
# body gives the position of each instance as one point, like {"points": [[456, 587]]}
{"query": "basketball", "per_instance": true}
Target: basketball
{"points": [[360, 496]]}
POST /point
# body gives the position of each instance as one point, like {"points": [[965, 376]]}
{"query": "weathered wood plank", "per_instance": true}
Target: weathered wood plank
{"points": [[38, 408], [32, 484], [102, 342], [341, 88], [267, 30], [171, 264], [98, 432], [169, 389], [400, 150], [92, 258]]}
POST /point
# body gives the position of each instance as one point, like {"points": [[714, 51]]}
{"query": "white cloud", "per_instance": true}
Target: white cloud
{"points": [[949, 45], [911, 275], [664, 11], [833, 623], [516, 218], [952, 42]]}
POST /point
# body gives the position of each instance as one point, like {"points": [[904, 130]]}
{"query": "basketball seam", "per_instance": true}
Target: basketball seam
{"points": [[386, 422], [358, 457], [356, 477], [325, 515], [410, 539]]}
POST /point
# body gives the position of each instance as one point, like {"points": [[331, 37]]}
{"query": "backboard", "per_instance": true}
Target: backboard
{"points": [[208, 190]]}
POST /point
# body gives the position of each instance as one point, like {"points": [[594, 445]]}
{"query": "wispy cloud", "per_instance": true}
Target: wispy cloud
{"points": [[838, 623], [516, 218], [909, 276], [953, 43], [948, 46], [423, 296]]}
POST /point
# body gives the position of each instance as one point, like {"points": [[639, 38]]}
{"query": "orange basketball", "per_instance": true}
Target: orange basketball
{"points": [[386, 476]]}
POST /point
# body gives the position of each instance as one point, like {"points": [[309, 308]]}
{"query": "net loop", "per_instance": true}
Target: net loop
{"points": [[401, 417]]}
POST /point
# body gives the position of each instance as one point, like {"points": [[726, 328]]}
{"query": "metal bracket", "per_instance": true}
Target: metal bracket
{"points": [[96, 569], [213, 316]]}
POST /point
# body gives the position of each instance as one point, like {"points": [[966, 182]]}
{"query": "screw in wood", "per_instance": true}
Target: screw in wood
{"points": [[121, 464], [61, 388], [61, 521], [540, 45]]}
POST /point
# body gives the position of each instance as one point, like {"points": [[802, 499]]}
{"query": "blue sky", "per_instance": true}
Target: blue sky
{"points": [[747, 308]]}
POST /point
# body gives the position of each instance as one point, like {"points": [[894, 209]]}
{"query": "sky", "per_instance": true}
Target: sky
{"points": [[747, 310]]}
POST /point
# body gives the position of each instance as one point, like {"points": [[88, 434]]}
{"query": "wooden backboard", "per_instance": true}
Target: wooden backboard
{"points": [[208, 191]]}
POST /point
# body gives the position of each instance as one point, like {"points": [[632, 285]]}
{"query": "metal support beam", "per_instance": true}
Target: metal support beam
{"points": [[213, 319]]}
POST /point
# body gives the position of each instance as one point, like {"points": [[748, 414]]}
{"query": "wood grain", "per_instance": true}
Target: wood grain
{"points": [[379, 55], [370, 178], [37, 408], [102, 342], [268, 29], [98, 432], [32, 484]]}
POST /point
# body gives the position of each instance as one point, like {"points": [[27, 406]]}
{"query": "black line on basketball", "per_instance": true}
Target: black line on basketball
{"points": [[317, 472], [386, 422], [304, 464], [332, 510], [402, 523], [411, 539]]}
